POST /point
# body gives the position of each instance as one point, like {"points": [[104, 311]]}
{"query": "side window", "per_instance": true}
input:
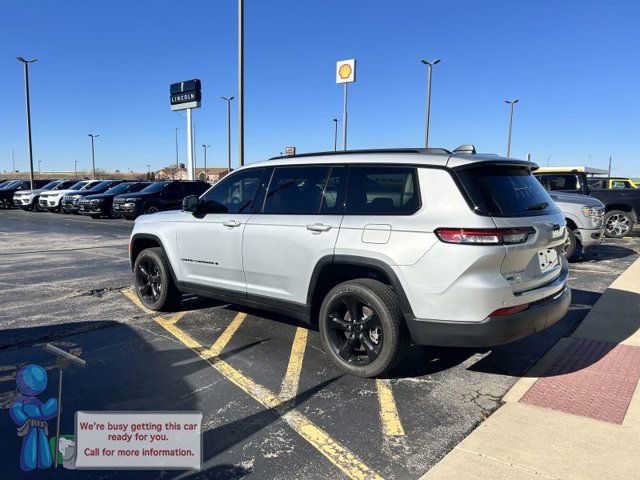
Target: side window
{"points": [[174, 189], [234, 193], [296, 190], [332, 201], [195, 188], [617, 184], [373, 190]]}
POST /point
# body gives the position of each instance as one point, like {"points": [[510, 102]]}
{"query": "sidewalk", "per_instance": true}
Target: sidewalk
{"points": [[576, 413]]}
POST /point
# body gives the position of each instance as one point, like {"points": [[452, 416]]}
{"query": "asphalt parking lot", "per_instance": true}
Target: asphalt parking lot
{"points": [[274, 406]]}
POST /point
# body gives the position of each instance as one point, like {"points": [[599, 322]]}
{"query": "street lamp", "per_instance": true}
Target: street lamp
{"points": [[428, 106], [75, 169], [148, 171], [241, 82], [549, 158], [511, 105], [204, 147], [335, 134], [93, 157], [28, 107], [228, 100], [39, 170]]}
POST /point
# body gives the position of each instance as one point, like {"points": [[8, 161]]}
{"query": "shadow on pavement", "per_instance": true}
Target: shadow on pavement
{"points": [[604, 252]]}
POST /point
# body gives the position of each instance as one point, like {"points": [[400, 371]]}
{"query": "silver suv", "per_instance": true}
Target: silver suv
{"points": [[376, 247]]}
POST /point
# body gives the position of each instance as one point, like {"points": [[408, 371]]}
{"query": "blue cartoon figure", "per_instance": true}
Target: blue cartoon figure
{"points": [[31, 415]]}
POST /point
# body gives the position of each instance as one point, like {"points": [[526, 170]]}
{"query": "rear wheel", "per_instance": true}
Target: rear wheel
{"points": [[153, 282], [361, 327], [617, 223]]}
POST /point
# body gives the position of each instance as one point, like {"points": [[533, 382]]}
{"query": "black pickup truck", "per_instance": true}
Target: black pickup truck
{"points": [[622, 206]]}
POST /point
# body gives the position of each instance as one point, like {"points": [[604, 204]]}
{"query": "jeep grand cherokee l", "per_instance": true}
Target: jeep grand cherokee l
{"points": [[69, 202], [157, 197], [52, 201], [376, 247], [101, 204], [30, 199]]}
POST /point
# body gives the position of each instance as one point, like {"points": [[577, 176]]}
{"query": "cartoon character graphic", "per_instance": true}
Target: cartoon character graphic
{"points": [[31, 415]]}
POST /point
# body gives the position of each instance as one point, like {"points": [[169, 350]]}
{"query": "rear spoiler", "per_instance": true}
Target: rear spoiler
{"points": [[499, 162]]}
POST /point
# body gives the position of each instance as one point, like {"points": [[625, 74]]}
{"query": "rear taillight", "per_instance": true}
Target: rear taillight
{"points": [[485, 236]]}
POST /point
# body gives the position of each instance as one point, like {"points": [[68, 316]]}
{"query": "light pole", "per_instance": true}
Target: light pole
{"points": [[511, 105], [241, 82], [228, 100], [549, 158], [13, 159], [93, 157], [335, 134], [177, 162], [148, 171], [204, 147], [428, 105], [39, 170], [75, 169], [28, 107]]}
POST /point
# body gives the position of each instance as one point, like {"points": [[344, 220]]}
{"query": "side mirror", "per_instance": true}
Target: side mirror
{"points": [[190, 203]]}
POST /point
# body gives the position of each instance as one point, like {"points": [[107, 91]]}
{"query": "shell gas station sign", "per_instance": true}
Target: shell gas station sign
{"points": [[346, 71]]}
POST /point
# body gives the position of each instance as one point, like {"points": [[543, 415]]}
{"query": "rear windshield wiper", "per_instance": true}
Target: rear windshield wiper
{"points": [[537, 206]]}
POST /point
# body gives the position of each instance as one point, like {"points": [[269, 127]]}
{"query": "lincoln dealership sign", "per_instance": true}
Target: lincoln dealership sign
{"points": [[185, 94]]}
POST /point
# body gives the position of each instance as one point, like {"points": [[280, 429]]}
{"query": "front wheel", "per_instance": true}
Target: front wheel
{"points": [[153, 282], [151, 209], [361, 327], [570, 245], [617, 224]]}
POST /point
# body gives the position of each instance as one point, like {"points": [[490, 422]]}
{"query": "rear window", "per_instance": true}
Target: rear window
{"points": [[505, 192]]}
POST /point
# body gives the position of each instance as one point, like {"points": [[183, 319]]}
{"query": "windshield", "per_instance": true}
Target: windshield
{"points": [[120, 188], [10, 184], [77, 186], [100, 186], [50, 185], [154, 187], [505, 191]]}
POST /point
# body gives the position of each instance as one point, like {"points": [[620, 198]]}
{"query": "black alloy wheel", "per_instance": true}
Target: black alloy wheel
{"points": [[354, 330], [149, 280]]}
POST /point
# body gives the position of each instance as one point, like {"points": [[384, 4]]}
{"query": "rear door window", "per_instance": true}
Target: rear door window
{"points": [[296, 190], [380, 190], [505, 191]]}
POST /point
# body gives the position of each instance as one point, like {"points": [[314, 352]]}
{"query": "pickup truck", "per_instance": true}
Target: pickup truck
{"points": [[611, 183], [622, 206]]}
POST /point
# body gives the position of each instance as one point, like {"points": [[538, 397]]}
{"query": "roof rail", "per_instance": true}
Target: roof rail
{"points": [[372, 150]]}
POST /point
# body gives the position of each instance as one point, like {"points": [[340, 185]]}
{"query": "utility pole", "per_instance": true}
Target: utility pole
{"points": [[241, 82], [28, 107], [511, 105], [75, 169], [428, 104], [93, 157], [610, 158], [13, 159], [39, 170], [335, 134], [228, 100]]}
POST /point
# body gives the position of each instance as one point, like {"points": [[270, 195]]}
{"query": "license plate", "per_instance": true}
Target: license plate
{"points": [[548, 259]]}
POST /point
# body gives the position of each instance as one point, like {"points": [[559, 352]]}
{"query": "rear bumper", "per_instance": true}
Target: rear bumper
{"points": [[590, 238], [492, 330]]}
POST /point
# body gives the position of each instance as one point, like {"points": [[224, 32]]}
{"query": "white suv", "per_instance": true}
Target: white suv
{"points": [[375, 247]]}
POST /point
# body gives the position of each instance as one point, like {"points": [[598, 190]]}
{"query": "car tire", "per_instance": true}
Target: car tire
{"points": [[95, 216], [570, 246], [356, 349], [153, 282], [617, 224], [151, 209]]}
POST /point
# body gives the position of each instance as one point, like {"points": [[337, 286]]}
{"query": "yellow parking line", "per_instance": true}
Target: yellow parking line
{"points": [[391, 425], [223, 339], [174, 319], [131, 295], [291, 380]]}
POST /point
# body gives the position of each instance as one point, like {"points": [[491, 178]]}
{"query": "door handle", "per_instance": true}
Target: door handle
{"points": [[231, 223], [318, 227]]}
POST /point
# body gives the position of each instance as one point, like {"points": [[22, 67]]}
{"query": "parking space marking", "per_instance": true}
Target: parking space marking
{"points": [[391, 425], [289, 388], [221, 342], [331, 449]]}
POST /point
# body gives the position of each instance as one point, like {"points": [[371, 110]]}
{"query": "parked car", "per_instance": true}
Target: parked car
{"points": [[622, 206], [69, 203], [585, 222], [29, 199], [52, 201], [608, 183], [9, 190], [4, 183], [157, 197], [101, 205], [376, 247]]}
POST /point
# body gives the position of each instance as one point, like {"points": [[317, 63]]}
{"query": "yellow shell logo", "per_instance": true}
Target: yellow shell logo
{"points": [[344, 71]]}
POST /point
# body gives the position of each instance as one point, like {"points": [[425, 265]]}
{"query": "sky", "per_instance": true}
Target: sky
{"points": [[105, 68]]}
